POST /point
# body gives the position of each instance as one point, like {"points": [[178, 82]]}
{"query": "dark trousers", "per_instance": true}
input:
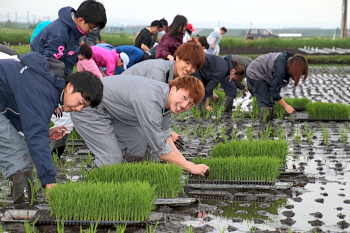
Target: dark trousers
{"points": [[261, 90]]}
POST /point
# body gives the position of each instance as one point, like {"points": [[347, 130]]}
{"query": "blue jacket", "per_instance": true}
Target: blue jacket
{"points": [[214, 69], [29, 94], [135, 54], [61, 32]]}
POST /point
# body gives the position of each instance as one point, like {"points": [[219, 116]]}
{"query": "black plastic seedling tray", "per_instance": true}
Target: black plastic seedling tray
{"points": [[231, 182], [305, 117]]}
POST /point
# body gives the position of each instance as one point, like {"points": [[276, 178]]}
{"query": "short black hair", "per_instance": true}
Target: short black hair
{"points": [[92, 12], [224, 29], [163, 22], [86, 50], [203, 41], [88, 84], [156, 23]]}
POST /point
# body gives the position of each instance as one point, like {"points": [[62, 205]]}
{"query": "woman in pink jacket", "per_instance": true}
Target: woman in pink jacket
{"points": [[172, 39], [92, 58]]}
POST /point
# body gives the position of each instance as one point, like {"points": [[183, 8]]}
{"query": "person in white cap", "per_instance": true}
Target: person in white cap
{"points": [[93, 58]]}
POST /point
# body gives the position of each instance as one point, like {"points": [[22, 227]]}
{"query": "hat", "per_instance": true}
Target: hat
{"points": [[125, 59], [190, 27]]}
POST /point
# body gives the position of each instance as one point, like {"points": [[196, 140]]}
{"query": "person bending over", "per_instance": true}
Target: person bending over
{"points": [[134, 119]]}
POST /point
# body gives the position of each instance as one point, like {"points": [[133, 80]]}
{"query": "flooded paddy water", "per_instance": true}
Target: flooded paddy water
{"points": [[318, 169]]}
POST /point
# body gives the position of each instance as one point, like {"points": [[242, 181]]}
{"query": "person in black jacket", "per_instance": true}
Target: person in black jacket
{"points": [[220, 70], [269, 73]]}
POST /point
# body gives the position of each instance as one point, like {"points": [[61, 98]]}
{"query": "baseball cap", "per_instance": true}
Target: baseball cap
{"points": [[125, 59], [190, 27]]}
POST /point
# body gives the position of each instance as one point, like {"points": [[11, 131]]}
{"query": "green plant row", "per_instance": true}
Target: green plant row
{"points": [[221, 96], [251, 148], [260, 168], [319, 110], [165, 178], [294, 102], [102, 201]]}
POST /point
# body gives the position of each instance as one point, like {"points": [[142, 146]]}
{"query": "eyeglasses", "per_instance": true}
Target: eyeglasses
{"points": [[92, 27]]}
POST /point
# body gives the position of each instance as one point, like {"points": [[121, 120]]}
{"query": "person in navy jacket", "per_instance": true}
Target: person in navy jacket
{"points": [[32, 88]]}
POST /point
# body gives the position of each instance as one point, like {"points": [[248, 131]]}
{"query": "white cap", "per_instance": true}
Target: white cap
{"points": [[125, 59]]}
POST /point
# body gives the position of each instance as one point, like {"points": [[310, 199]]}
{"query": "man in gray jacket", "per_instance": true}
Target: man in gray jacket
{"points": [[134, 115]]}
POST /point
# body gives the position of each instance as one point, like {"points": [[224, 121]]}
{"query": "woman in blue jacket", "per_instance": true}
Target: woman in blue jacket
{"points": [[135, 54], [269, 73]]}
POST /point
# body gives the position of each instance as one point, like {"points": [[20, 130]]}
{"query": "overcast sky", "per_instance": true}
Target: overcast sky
{"points": [[271, 14]]}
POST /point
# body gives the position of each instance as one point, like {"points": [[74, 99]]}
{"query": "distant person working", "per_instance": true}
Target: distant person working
{"points": [[214, 40]]}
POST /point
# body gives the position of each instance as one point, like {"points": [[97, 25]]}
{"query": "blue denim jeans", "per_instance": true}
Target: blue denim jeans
{"points": [[261, 90], [14, 154]]}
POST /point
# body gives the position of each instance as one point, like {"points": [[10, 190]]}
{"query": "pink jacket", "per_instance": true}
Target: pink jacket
{"points": [[89, 65], [105, 58], [167, 45]]}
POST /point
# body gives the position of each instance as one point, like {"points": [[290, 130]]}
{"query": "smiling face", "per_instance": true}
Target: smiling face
{"points": [[179, 100], [73, 101], [183, 67]]}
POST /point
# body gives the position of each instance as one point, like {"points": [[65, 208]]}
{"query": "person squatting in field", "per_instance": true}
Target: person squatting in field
{"points": [[31, 89], [134, 120], [268, 73]]}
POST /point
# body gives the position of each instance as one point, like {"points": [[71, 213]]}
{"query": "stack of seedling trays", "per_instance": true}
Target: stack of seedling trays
{"points": [[75, 142], [319, 111], [117, 194], [252, 164]]}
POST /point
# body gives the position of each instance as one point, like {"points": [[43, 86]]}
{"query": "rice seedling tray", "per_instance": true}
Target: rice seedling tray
{"points": [[277, 185], [305, 117], [83, 152], [18, 215], [75, 142], [178, 201], [291, 172], [45, 218], [238, 182]]}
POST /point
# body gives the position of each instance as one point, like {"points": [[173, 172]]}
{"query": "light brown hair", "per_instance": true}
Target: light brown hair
{"points": [[191, 52], [191, 84], [297, 68], [240, 71]]}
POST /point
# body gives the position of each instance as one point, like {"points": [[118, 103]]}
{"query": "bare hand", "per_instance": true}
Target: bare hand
{"points": [[174, 136], [208, 108], [289, 109], [170, 58], [49, 187], [58, 132], [212, 46], [215, 97], [199, 169], [245, 91]]}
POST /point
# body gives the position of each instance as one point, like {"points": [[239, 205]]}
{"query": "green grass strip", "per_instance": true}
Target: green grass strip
{"points": [[319, 110], [251, 148], [131, 201], [294, 102], [166, 177], [261, 168]]}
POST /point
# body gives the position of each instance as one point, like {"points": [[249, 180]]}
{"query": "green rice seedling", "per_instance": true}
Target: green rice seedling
{"points": [[221, 96], [253, 116], [120, 228], [251, 148], [89, 159], [176, 129], [30, 228], [1, 229], [195, 131], [325, 135], [260, 168], [344, 134], [166, 177], [309, 133], [96, 201], [294, 102], [281, 134], [266, 132], [319, 110], [55, 158], [223, 131], [150, 230], [249, 132], [3, 196], [255, 106], [92, 228], [60, 226], [189, 229], [234, 134]]}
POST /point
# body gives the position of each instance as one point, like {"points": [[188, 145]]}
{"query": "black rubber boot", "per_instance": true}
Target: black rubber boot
{"points": [[20, 188], [58, 146], [228, 103], [266, 113]]}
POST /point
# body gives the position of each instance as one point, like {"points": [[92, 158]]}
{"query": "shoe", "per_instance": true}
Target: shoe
{"points": [[59, 151], [20, 187], [266, 113], [58, 146]]}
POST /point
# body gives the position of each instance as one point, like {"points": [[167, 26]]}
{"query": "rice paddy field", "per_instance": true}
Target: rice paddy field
{"points": [[305, 160]]}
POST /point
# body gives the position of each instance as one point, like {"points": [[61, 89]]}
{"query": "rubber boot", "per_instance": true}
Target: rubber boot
{"points": [[266, 113], [228, 103], [58, 146], [20, 188]]}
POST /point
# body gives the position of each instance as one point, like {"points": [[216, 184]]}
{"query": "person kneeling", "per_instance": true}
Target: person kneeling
{"points": [[134, 119]]}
